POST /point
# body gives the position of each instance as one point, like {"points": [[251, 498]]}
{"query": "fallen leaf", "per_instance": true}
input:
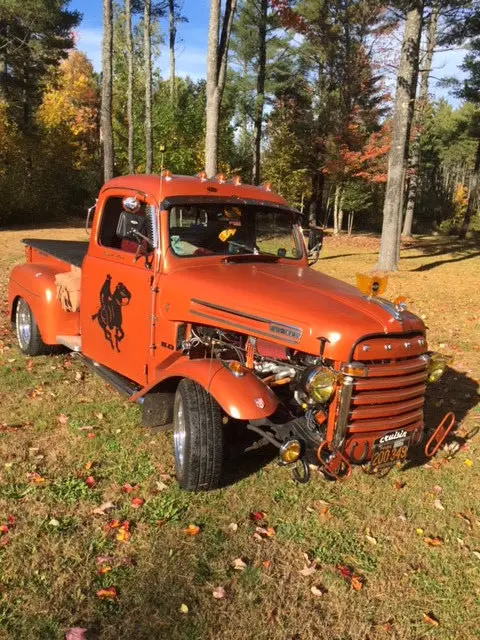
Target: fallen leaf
{"points": [[79, 376], [90, 435], [476, 554], [438, 505], [127, 488], [11, 520], [400, 484], [419, 531], [437, 489], [468, 462], [219, 593], [104, 569], [90, 481], [54, 522], [238, 564], [318, 591], [345, 572], [183, 608], [99, 416], [233, 526], [103, 508], [123, 533], [107, 594], [256, 516], [356, 583], [466, 519], [192, 530], [431, 619], [267, 563], [307, 571], [76, 633], [136, 503], [35, 478], [88, 466], [269, 532], [113, 524], [62, 418], [160, 486], [433, 542], [3, 529], [371, 539], [103, 559]]}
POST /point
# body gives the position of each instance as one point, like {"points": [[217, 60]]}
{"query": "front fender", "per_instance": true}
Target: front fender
{"points": [[244, 398], [36, 284]]}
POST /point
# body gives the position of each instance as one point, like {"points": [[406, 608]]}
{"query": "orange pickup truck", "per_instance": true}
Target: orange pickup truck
{"points": [[195, 297]]}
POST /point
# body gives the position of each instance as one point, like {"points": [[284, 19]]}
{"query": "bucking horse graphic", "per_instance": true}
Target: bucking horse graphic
{"points": [[109, 315]]}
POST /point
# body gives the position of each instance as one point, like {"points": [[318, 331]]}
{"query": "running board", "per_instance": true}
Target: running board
{"points": [[123, 385], [74, 343]]}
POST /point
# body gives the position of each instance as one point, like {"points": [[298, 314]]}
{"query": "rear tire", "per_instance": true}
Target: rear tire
{"points": [[197, 438], [26, 329]]}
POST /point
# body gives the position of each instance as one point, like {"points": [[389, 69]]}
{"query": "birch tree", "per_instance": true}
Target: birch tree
{"points": [[401, 125], [219, 30], [419, 120], [107, 79], [148, 85], [129, 50]]}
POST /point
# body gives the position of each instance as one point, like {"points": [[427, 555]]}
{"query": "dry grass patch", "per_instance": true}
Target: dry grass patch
{"points": [[57, 554]]}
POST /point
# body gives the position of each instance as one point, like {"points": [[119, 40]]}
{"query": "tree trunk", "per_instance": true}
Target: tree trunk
{"points": [[219, 29], [340, 213], [172, 30], [472, 195], [129, 42], [335, 209], [401, 125], [148, 86], [260, 98], [106, 117], [419, 121], [318, 183]]}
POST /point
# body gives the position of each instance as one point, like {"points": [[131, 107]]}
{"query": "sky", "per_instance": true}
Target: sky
{"points": [[192, 40]]}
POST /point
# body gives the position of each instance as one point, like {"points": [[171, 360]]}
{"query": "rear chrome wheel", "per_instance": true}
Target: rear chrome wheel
{"points": [[28, 335], [23, 322]]}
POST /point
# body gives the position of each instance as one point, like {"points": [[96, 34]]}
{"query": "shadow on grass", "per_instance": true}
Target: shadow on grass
{"points": [[437, 263], [455, 392], [245, 454]]}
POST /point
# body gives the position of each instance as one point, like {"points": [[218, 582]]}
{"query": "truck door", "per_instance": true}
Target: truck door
{"points": [[117, 291]]}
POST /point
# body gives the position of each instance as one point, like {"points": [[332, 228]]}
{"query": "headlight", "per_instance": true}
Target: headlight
{"points": [[437, 366], [320, 383]]}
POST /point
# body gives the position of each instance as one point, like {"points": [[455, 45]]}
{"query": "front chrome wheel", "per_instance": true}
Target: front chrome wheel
{"points": [[23, 322], [179, 436]]}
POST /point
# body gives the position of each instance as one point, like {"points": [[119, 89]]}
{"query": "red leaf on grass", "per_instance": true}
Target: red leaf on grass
{"points": [[107, 594], [63, 419], [90, 481], [3, 529], [136, 502], [127, 488], [11, 521], [256, 516]]}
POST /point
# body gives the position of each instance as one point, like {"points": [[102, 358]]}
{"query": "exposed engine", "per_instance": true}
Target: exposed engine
{"points": [[279, 367]]}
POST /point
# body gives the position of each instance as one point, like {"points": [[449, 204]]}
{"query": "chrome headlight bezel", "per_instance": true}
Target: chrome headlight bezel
{"points": [[436, 367]]}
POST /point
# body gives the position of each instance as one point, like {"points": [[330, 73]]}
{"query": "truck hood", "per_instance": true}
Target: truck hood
{"points": [[287, 304]]}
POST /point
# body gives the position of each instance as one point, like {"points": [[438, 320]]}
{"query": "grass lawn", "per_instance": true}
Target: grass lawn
{"points": [[412, 539]]}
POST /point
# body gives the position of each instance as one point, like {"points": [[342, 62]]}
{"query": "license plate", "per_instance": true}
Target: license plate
{"points": [[385, 454]]}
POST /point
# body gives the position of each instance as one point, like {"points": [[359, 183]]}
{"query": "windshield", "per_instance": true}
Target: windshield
{"points": [[229, 230]]}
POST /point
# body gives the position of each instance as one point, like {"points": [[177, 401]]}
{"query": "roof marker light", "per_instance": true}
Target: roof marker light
{"points": [[166, 174], [267, 186], [237, 181], [202, 175], [220, 178]]}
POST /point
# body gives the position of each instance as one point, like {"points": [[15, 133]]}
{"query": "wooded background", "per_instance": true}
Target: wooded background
{"points": [[329, 101]]}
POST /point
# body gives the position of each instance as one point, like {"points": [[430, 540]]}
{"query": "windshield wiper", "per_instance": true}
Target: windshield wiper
{"points": [[251, 257]]}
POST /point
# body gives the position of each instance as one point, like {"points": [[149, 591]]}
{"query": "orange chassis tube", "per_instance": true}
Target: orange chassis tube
{"points": [[243, 398]]}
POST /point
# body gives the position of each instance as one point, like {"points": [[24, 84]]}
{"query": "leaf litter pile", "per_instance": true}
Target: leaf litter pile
{"points": [[115, 550]]}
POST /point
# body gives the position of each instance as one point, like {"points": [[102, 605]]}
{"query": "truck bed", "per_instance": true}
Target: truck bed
{"points": [[69, 251]]}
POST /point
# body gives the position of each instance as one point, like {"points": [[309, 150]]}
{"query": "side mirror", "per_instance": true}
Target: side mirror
{"points": [[314, 246]]}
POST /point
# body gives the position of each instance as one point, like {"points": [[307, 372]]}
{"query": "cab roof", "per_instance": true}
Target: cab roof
{"points": [[162, 188]]}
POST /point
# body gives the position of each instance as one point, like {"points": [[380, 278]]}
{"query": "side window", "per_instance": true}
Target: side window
{"points": [[108, 236]]}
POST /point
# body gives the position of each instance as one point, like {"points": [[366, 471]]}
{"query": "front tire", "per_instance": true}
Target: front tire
{"points": [[26, 329], [197, 438]]}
